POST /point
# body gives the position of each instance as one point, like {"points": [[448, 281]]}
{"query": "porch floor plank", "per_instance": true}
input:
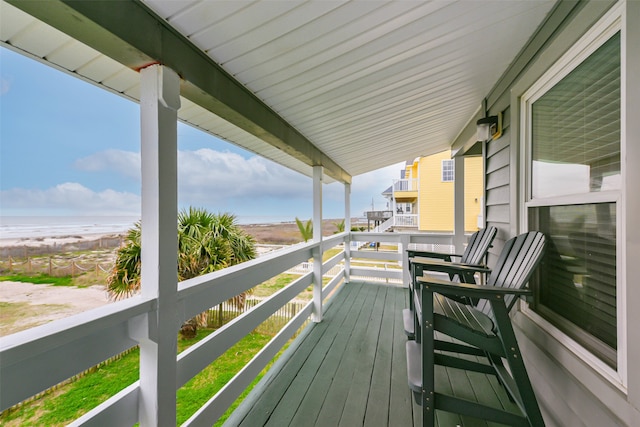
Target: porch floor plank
{"points": [[351, 370]]}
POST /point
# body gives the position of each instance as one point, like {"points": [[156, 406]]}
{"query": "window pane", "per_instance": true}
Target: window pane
{"points": [[577, 278], [447, 170], [576, 128]]}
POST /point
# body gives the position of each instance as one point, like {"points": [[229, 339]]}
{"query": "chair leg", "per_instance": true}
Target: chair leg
{"points": [[527, 397], [428, 360]]}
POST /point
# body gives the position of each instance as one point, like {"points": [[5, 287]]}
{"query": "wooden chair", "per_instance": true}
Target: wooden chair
{"points": [[471, 262], [484, 331], [477, 247]]}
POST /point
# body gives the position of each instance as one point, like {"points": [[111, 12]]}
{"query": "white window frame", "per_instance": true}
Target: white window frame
{"points": [[608, 25], [451, 166]]}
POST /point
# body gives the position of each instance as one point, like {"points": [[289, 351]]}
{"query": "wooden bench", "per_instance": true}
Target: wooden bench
{"points": [[471, 262], [484, 331]]}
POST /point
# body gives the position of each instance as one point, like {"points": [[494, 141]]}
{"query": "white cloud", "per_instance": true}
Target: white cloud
{"points": [[220, 180], [379, 180], [212, 176], [368, 187], [126, 163], [209, 175], [69, 198]]}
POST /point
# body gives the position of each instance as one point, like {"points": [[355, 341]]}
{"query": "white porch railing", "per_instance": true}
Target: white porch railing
{"points": [[405, 220], [405, 185], [398, 220], [34, 360]]}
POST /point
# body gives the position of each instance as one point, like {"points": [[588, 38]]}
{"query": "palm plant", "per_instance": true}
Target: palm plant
{"points": [[306, 229], [124, 279], [206, 242]]}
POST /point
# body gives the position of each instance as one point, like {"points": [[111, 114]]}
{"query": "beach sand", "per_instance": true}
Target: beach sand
{"points": [[39, 304], [44, 303], [284, 233], [53, 241]]}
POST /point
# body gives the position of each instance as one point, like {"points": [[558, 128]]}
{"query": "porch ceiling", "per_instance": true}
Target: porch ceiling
{"points": [[354, 86]]}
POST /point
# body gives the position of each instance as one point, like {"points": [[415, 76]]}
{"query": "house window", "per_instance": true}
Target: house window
{"points": [[447, 171], [572, 124]]}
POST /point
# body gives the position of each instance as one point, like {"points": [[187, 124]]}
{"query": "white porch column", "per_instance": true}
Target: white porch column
{"points": [[458, 204], [159, 104], [317, 237], [347, 228]]}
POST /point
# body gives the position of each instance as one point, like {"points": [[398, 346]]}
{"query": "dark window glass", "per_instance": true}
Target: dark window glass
{"points": [[576, 284]]}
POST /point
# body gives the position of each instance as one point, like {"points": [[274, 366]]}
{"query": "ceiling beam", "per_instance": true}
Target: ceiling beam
{"points": [[130, 33]]}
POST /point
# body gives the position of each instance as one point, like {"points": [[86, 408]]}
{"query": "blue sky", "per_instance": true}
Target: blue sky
{"points": [[70, 148]]}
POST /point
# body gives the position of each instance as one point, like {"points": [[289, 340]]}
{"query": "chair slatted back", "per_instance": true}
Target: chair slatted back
{"points": [[516, 263], [479, 244]]}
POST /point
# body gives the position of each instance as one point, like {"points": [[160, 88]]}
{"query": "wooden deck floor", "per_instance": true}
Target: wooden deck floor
{"points": [[350, 370]]}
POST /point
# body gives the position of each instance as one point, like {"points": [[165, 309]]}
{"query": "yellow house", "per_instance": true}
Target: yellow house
{"points": [[423, 196]]}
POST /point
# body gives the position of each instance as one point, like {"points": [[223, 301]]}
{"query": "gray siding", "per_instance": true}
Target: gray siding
{"points": [[571, 391], [498, 191]]}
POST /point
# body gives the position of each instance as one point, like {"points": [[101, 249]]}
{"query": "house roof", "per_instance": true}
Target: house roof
{"points": [[353, 86]]}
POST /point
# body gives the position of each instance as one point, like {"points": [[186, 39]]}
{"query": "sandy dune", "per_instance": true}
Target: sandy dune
{"points": [[45, 303]]}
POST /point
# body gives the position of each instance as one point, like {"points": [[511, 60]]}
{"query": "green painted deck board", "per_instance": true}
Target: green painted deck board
{"points": [[350, 370], [321, 387], [363, 363], [266, 403], [343, 373], [380, 385], [318, 390], [401, 404]]}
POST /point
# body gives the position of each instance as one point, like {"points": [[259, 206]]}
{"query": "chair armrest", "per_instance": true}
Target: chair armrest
{"points": [[449, 267], [447, 288], [428, 254]]}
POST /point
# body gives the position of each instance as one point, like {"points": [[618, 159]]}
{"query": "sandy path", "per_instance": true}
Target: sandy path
{"points": [[44, 303]]}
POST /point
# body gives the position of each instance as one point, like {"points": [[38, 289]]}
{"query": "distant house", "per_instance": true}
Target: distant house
{"points": [[423, 197]]}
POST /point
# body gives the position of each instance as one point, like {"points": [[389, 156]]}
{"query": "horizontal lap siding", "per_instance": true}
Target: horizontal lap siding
{"points": [[498, 191]]}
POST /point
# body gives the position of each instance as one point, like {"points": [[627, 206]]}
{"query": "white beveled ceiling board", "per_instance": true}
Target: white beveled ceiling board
{"points": [[370, 83]]}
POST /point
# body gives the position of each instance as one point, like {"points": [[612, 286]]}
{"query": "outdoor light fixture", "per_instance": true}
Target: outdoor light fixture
{"points": [[489, 128]]}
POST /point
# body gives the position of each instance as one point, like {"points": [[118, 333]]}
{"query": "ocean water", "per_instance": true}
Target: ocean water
{"points": [[18, 227], [13, 227]]}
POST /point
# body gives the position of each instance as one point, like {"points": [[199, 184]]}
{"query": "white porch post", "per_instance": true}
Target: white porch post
{"points": [[347, 228], [458, 204], [317, 237], [159, 104], [405, 240]]}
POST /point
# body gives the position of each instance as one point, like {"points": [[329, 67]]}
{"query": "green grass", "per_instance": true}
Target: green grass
{"points": [[39, 279], [273, 285], [72, 400], [203, 386], [330, 253]]}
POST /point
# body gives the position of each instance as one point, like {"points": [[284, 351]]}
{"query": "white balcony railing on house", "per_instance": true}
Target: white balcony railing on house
{"points": [[399, 221], [405, 220], [34, 360], [405, 185]]}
